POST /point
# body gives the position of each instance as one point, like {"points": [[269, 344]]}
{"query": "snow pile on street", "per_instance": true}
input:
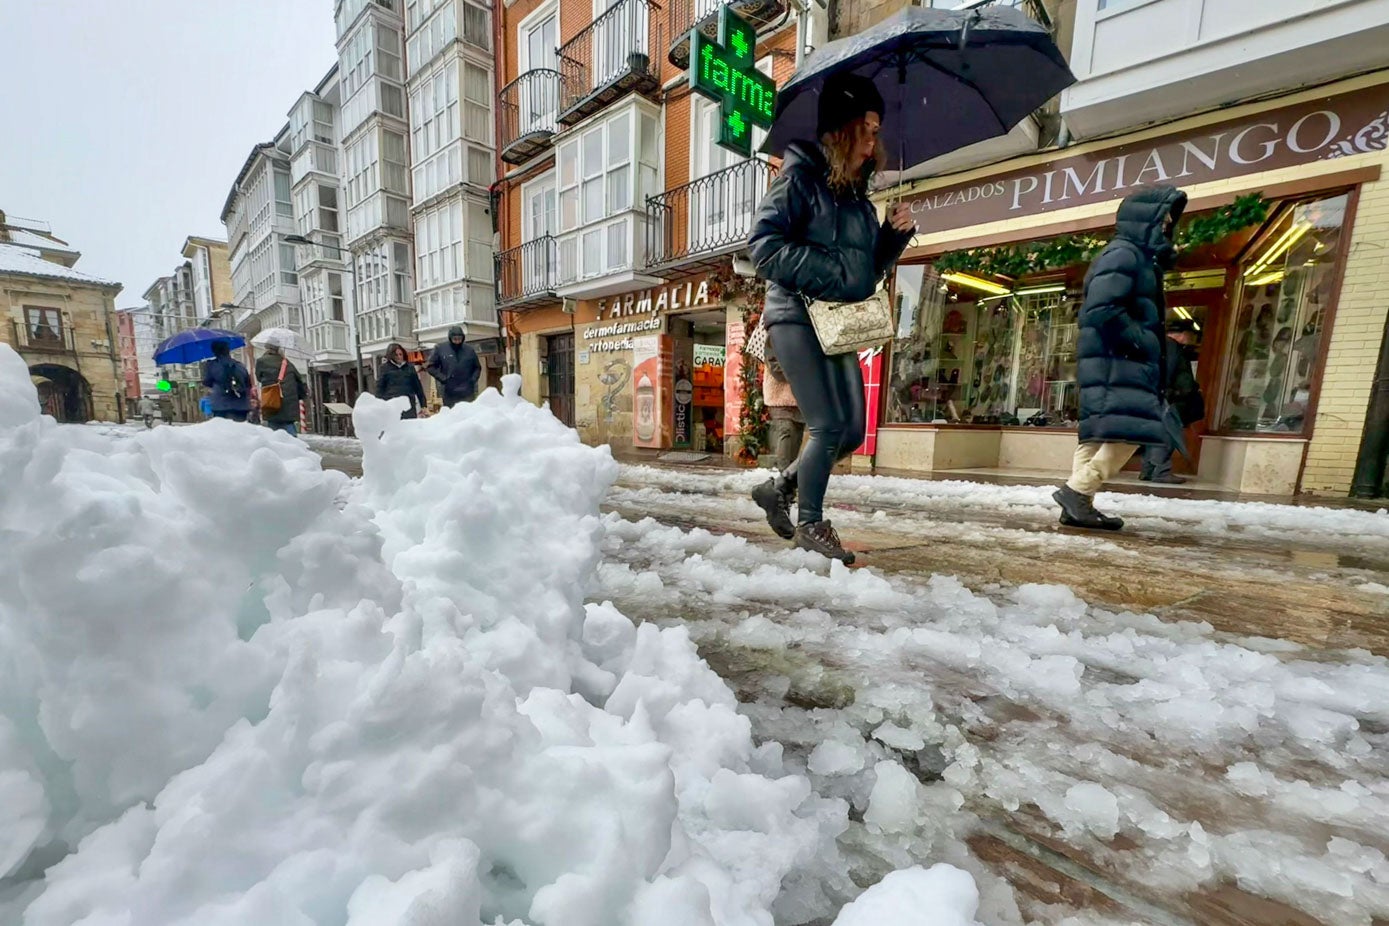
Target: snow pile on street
{"points": [[939, 896], [1133, 736], [237, 689]]}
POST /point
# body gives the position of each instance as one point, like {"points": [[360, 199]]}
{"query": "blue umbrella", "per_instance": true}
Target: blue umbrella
{"points": [[950, 78], [194, 345]]}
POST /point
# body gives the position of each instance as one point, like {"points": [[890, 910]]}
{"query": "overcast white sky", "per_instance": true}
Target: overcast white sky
{"points": [[126, 121]]}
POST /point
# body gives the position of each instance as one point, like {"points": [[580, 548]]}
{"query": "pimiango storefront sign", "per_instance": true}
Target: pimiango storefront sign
{"points": [[623, 319], [1332, 127], [726, 72]]}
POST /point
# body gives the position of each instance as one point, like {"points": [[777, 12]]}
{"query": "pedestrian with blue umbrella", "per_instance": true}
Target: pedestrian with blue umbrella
{"points": [[195, 345], [922, 84], [229, 383]]}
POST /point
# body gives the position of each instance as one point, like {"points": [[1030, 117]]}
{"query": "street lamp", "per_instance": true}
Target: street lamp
{"points": [[356, 329]]}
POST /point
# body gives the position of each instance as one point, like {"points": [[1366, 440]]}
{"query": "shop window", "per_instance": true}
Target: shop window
{"points": [[1286, 284], [968, 355]]}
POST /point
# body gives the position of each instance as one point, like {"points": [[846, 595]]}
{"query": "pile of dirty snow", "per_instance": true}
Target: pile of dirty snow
{"points": [[235, 688]]}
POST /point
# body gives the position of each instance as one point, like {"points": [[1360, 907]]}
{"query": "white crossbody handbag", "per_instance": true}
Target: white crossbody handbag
{"points": [[849, 327]]}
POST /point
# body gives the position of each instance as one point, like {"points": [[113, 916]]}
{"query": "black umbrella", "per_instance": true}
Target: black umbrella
{"points": [[950, 78]]}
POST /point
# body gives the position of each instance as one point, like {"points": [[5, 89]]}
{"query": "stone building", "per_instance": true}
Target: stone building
{"points": [[62, 323]]}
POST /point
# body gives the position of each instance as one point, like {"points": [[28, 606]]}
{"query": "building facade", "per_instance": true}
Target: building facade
{"points": [[325, 271], [620, 215], [1279, 140], [375, 171], [451, 86], [617, 218], [62, 323], [259, 218]]}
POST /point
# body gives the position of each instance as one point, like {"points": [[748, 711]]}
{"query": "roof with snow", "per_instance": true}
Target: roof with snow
{"points": [[16, 260], [28, 239]]}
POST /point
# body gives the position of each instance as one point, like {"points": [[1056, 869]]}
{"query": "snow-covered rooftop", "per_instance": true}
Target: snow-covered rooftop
{"points": [[16, 259], [27, 239]]}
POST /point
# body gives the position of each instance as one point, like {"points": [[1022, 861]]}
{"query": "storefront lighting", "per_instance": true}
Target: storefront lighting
{"points": [[1290, 237], [1196, 279], [1040, 289], [1274, 277], [973, 282]]}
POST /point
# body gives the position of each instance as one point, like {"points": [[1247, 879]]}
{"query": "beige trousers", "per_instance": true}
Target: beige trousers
{"points": [[1096, 464]]}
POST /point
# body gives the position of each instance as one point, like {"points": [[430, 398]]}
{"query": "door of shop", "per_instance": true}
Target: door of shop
{"points": [[559, 374], [1206, 308]]}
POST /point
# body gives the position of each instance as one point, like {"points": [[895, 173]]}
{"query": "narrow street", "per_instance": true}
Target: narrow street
{"points": [[1185, 723]]}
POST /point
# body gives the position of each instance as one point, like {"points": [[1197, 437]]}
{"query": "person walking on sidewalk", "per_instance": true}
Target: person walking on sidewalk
{"points": [[1119, 352], [785, 434], [148, 408], [229, 383], [274, 368], [455, 366], [398, 377], [1183, 394], [817, 236]]}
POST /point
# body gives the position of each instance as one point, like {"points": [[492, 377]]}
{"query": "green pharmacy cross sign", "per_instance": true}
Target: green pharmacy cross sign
{"points": [[726, 72]]}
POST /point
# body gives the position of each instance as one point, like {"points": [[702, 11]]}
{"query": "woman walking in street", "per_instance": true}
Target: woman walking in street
{"points": [[817, 236], [398, 377]]}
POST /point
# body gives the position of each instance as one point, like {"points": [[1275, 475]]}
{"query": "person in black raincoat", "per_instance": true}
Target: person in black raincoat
{"points": [[454, 365], [1119, 355], [817, 236], [398, 377]]}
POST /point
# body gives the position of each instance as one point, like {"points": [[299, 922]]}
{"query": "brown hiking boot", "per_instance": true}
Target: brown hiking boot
{"points": [[821, 538]]}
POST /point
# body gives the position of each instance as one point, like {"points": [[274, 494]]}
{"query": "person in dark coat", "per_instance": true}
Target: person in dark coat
{"points": [[1119, 354], [455, 366], [229, 383], [817, 236], [268, 366], [398, 377], [1183, 394]]}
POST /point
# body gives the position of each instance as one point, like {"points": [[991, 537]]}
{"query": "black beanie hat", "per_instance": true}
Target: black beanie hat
{"points": [[844, 98]]}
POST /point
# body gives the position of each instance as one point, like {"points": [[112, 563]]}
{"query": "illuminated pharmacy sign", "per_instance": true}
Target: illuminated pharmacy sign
{"points": [[726, 72]]}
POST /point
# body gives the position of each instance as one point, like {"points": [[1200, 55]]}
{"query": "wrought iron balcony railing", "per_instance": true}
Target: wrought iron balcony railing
{"points": [[610, 58], [684, 15], [526, 276], [706, 219], [529, 109]]}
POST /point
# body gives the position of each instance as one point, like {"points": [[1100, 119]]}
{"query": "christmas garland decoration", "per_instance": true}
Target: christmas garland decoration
{"points": [[753, 439], [754, 419], [1031, 257]]}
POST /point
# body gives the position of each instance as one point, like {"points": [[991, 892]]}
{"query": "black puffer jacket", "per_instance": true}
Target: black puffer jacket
{"points": [[1120, 348], [807, 242]]}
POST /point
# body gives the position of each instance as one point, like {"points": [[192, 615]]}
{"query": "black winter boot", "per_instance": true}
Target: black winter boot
{"points": [[821, 538], [776, 500], [1079, 511]]}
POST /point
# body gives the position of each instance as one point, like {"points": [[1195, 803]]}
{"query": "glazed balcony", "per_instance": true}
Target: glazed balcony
{"points": [[529, 110], [683, 16], [330, 340], [609, 59], [527, 276], [700, 223]]}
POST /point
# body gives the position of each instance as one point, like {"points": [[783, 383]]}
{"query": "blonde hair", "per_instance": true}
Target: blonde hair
{"points": [[839, 151]]}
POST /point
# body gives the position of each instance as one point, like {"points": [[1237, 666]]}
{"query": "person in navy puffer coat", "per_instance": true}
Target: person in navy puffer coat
{"points": [[1120, 351]]}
